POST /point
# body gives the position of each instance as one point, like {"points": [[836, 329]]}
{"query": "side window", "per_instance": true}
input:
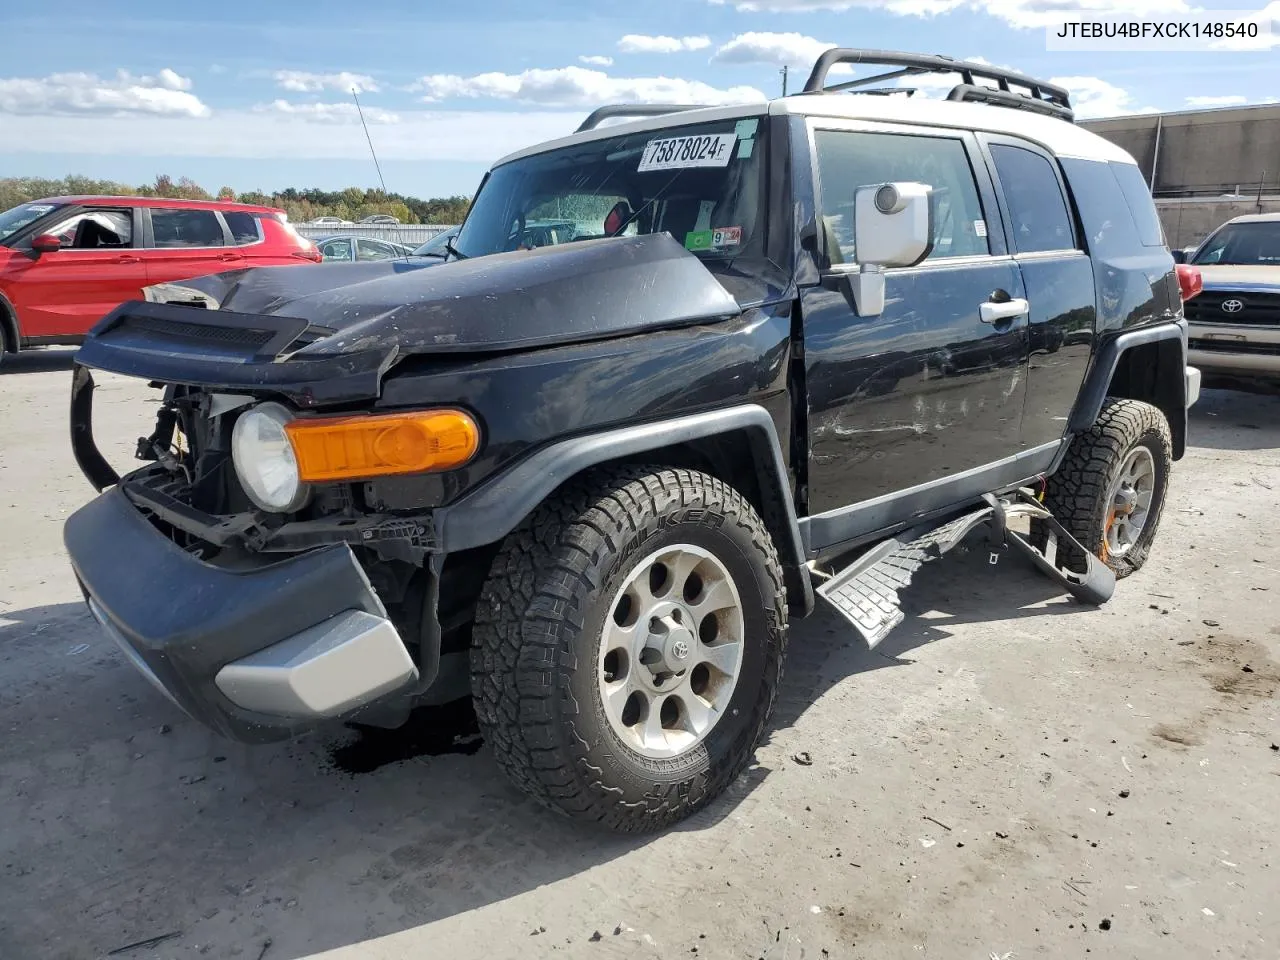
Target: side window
{"points": [[243, 227], [338, 249], [373, 250], [1041, 220], [1138, 196], [186, 228], [849, 160], [94, 229]]}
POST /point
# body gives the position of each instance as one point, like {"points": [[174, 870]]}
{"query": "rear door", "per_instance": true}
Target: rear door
{"points": [[185, 242], [369, 249], [1058, 277], [927, 395], [63, 293]]}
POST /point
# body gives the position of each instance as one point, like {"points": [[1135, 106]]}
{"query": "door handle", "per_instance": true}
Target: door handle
{"points": [[228, 257], [993, 312], [128, 259]]}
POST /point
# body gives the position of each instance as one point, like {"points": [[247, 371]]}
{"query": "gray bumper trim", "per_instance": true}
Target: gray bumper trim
{"points": [[1193, 386], [324, 671]]}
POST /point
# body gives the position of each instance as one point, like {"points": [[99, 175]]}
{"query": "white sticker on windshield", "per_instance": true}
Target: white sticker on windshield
{"points": [[705, 210], [980, 228], [745, 148], [681, 153], [746, 129]]}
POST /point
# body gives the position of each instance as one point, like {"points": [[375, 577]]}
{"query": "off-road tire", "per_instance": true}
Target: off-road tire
{"points": [[539, 624], [1077, 493]]}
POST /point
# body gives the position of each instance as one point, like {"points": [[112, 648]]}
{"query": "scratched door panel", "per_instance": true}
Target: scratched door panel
{"points": [[924, 391]]}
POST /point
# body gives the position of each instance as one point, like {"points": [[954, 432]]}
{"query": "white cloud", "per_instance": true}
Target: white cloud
{"points": [[638, 43], [1227, 101], [1270, 13], [780, 49], [301, 81], [596, 61], [1018, 13], [1093, 97], [578, 87], [329, 112], [471, 136], [66, 94]]}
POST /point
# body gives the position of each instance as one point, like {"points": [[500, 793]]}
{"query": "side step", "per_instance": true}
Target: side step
{"points": [[866, 592]]}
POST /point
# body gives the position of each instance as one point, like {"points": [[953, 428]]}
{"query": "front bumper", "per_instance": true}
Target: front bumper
{"points": [[1240, 349], [257, 654]]}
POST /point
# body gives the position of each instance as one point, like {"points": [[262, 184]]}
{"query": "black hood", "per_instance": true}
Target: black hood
{"points": [[550, 295]]}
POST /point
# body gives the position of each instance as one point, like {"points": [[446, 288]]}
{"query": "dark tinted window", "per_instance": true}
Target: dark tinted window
{"points": [[186, 228], [1109, 230], [1138, 196], [1039, 213], [243, 227], [848, 160], [1254, 244]]}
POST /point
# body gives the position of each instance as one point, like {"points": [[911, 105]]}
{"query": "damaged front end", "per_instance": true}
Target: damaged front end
{"points": [[257, 622]]}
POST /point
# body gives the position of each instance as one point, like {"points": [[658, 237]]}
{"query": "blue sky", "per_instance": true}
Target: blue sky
{"points": [[257, 95]]}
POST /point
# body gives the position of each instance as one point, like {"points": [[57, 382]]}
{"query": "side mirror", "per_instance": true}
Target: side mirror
{"points": [[1179, 256], [45, 243], [892, 227]]}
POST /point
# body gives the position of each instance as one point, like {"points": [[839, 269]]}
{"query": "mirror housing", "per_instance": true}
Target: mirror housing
{"points": [[893, 224], [45, 243], [892, 227]]}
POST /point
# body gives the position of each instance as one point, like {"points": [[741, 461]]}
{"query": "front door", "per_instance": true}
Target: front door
{"points": [[61, 294], [932, 389]]}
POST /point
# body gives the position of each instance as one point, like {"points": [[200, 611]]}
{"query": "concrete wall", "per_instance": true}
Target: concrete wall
{"points": [[1187, 222], [1202, 152]]}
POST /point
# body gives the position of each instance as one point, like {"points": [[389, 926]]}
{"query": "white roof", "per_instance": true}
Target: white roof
{"points": [[1257, 218], [1059, 137]]}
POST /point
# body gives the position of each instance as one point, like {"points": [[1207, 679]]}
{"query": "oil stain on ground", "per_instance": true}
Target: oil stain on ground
{"points": [[430, 732]]}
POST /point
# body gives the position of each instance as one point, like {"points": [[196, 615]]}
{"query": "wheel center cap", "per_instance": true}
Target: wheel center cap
{"points": [[1126, 500], [671, 642], [679, 650]]}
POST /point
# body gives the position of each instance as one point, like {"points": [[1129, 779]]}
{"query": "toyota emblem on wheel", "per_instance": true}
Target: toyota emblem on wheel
{"points": [[1232, 306]]}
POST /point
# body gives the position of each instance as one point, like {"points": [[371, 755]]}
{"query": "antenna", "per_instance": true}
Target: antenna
{"points": [[374, 154], [377, 166]]}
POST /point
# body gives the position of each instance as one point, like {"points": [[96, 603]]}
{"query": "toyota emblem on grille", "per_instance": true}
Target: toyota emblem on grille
{"points": [[1232, 306]]}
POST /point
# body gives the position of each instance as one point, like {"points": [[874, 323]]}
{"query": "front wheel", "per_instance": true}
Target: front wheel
{"points": [[1110, 490], [628, 646]]}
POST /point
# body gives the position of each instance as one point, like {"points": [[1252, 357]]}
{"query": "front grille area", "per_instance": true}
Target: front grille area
{"points": [[1256, 309], [198, 332], [1236, 346]]}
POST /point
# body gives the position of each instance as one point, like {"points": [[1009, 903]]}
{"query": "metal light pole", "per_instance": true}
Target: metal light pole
{"points": [[783, 71]]}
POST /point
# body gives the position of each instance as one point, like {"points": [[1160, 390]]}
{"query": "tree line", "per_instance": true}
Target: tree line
{"points": [[353, 203]]}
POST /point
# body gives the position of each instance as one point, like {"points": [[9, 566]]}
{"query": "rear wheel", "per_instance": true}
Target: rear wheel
{"points": [[1110, 490], [628, 646]]}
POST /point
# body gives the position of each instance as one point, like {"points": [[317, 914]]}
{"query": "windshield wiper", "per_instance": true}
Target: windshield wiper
{"points": [[448, 245]]}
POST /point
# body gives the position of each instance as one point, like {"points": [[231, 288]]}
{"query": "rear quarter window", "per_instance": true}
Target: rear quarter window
{"points": [[243, 226], [1138, 198], [1109, 227]]}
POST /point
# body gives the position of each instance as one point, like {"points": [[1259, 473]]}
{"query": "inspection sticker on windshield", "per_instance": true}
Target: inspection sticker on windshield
{"points": [[680, 153]]}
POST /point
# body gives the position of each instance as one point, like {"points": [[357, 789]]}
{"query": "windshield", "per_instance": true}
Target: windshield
{"points": [[1242, 244], [11, 221], [436, 246], [701, 183]]}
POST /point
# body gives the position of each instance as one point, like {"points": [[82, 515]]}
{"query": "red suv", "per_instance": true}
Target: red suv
{"points": [[65, 262]]}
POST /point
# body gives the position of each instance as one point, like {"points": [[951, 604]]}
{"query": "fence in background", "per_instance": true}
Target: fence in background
{"points": [[413, 235]]}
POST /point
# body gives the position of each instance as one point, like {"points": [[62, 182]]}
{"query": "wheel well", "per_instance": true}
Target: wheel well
{"points": [[1155, 373], [731, 457], [9, 320]]}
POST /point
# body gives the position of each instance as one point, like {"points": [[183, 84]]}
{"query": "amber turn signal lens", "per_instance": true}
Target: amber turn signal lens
{"points": [[355, 448]]}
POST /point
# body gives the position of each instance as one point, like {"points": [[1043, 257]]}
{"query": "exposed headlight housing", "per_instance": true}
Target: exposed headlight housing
{"points": [[265, 461]]}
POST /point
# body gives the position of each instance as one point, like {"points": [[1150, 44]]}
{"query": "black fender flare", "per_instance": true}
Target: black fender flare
{"points": [[496, 507], [9, 321], [1106, 360]]}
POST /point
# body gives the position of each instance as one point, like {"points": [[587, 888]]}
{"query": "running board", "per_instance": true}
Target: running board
{"points": [[866, 592]]}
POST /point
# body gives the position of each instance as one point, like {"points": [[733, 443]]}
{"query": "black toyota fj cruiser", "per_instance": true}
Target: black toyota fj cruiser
{"points": [[588, 483]]}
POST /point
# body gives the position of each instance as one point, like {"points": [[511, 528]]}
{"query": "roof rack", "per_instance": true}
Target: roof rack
{"points": [[632, 110], [1040, 97]]}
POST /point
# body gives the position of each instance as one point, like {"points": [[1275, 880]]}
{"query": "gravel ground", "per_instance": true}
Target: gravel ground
{"points": [[1009, 776]]}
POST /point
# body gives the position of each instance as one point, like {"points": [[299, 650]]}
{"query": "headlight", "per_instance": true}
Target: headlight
{"points": [[264, 459]]}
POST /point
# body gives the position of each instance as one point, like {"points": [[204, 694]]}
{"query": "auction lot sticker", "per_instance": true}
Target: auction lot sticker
{"points": [[681, 153]]}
